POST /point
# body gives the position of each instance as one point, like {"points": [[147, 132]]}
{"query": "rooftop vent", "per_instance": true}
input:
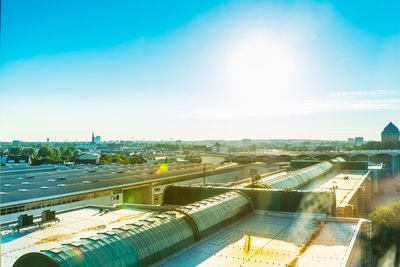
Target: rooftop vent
{"points": [[23, 190], [51, 180], [25, 183], [61, 185], [48, 215], [7, 185], [43, 187], [25, 219]]}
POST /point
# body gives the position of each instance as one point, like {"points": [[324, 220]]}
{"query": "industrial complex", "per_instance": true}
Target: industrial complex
{"points": [[302, 213], [59, 187]]}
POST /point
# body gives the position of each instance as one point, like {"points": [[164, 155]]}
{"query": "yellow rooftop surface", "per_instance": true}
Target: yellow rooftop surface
{"points": [[274, 239], [73, 225], [347, 183]]}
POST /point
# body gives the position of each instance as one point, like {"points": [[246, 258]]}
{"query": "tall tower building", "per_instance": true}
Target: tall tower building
{"points": [[92, 137], [390, 134]]}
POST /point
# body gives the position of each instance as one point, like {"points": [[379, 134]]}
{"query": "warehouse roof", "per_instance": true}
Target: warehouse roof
{"points": [[346, 184], [18, 187], [75, 224], [258, 239], [274, 239], [146, 240]]}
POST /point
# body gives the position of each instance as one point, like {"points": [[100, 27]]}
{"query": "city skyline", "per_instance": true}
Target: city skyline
{"points": [[202, 71]]}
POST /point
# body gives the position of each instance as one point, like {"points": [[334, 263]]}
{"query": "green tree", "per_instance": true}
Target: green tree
{"points": [[75, 153], [104, 158], [67, 154], [57, 154], [123, 159], [36, 162], [29, 151], [45, 151], [15, 151], [136, 160], [386, 222]]}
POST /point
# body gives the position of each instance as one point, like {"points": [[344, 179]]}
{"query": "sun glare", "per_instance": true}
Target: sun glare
{"points": [[260, 67]]}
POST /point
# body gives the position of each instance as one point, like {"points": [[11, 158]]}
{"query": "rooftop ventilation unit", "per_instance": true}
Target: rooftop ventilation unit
{"points": [[25, 220], [48, 215]]}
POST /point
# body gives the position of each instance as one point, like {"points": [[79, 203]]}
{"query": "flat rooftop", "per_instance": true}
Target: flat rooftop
{"points": [[73, 225], [273, 239], [21, 186], [346, 181]]}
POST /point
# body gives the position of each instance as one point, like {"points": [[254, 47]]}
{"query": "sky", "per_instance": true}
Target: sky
{"points": [[196, 70]]}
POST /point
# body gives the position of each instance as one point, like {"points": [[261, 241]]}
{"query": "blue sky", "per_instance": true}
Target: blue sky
{"points": [[197, 70]]}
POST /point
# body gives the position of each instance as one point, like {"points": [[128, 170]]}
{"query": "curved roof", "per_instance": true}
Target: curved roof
{"points": [[391, 129], [145, 241], [214, 213], [302, 177]]}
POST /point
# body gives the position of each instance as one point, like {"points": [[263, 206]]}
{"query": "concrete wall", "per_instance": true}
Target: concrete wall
{"points": [[360, 253], [359, 205]]}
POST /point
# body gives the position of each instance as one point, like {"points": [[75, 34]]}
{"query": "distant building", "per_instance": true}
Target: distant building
{"points": [[16, 142], [48, 140], [358, 141], [390, 134], [97, 139], [219, 149], [17, 160], [88, 159]]}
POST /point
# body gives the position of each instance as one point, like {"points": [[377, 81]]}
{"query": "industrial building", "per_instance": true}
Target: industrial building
{"points": [[32, 190], [306, 215], [350, 183], [224, 230], [390, 159], [390, 134]]}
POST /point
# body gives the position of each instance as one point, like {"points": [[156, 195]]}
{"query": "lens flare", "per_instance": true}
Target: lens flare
{"points": [[163, 167]]}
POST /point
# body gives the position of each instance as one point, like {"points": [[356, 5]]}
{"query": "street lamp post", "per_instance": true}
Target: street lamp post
{"points": [[204, 174]]}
